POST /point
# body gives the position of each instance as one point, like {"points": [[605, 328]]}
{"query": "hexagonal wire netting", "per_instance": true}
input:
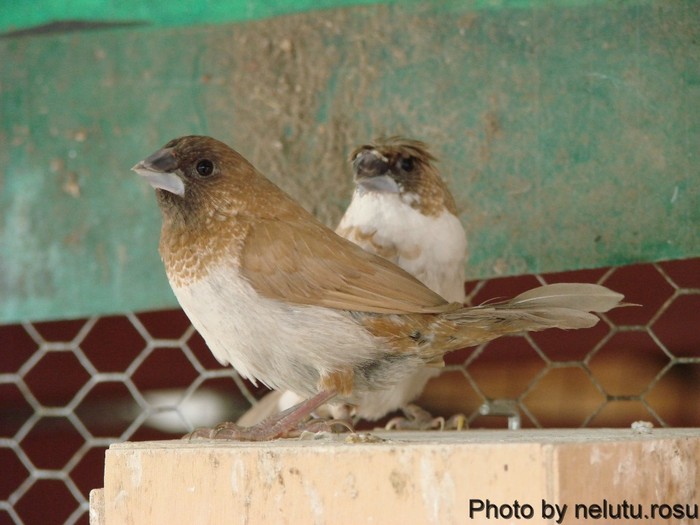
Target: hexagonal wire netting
{"points": [[70, 389]]}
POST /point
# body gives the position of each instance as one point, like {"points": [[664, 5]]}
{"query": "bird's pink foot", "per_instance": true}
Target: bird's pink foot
{"points": [[288, 423], [416, 418]]}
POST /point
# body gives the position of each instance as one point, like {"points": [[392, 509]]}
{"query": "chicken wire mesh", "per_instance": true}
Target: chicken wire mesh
{"points": [[70, 389]]}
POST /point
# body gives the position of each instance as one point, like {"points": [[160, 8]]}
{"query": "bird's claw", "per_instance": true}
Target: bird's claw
{"points": [[457, 422], [226, 431], [327, 425], [416, 418]]}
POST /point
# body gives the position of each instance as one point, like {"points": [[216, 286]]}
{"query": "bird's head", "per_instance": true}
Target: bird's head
{"points": [[197, 176], [190, 164], [401, 166]]}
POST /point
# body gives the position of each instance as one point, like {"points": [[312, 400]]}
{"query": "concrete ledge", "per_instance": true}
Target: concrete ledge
{"points": [[421, 478]]}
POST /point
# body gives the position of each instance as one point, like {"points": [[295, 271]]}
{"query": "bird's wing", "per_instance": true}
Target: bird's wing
{"points": [[304, 262]]}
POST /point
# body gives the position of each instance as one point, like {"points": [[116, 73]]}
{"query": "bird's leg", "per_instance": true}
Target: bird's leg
{"points": [[279, 425]]}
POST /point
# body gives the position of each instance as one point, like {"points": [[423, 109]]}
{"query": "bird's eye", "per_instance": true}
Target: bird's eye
{"points": [[205, 167], [407, 163]]}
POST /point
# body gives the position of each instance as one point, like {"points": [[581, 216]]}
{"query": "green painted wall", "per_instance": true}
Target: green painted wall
{"points": [[25, 15], [569, 133]]}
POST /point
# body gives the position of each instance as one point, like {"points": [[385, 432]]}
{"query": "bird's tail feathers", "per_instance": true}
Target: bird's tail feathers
{"points": [[577, 296], [564, 305]]}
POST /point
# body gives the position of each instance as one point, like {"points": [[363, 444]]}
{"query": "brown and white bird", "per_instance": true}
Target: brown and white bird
{"points": [[289, 303], [402, 210]]}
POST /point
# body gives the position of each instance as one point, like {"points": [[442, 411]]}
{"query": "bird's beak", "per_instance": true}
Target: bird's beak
{"points": [[372, 172], [159, 169]]}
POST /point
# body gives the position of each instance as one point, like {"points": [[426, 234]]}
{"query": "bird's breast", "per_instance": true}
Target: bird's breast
{"points": [[285, 346], [432, 248], [191, 250]]}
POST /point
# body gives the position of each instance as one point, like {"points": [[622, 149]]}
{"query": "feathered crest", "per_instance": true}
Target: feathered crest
{"points": [[398, 145]]}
